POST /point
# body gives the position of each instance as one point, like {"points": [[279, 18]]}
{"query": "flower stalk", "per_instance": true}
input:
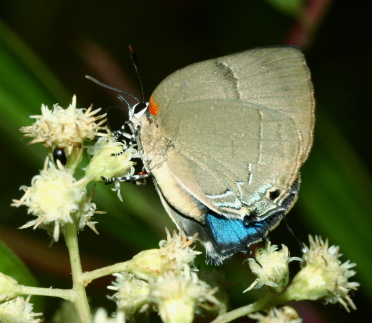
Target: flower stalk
{"points": [[80, 296]]}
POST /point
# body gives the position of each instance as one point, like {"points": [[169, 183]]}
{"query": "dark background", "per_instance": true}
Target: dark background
{"points": [[75, 38]]}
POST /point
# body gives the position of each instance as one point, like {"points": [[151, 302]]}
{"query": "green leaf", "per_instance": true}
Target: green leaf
{"points": [[335, 197], [25, 84], [288, 7], [12, 266]]}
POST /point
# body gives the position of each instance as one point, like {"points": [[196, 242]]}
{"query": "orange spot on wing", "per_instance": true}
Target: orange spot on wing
{"points": [[153, 107]]}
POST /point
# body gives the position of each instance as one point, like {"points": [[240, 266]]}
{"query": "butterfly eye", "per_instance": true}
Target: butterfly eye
{"points": [[59, 154], [140, 109]]}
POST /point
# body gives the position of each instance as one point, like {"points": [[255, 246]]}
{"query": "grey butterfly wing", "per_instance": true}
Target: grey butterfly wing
{"points": [[232, 169], [279, 79], [238, 131], [276, 78]]}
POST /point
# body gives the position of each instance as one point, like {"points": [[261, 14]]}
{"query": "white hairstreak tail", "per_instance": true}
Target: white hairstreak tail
{"points": [[224, 140]]}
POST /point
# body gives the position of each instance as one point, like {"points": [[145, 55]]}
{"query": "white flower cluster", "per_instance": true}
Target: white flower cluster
{"points": [[18, 310], [165, 279], [270, 265], [285, 314], [322, 277], [65, 127], [55, 197], [55, 200]]}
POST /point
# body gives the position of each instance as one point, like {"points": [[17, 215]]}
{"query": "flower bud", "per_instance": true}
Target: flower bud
{"points": [[8, 287], [104, 161], [271, 267], [323, 276]]}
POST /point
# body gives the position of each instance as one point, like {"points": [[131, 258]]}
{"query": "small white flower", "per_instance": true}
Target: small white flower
{"points": [[174, 254], [86, 216], [284, 314], [323, 276], [173, 259], [86, 213], [52, 198], [178, 297], [64, 127], [132, 293], [271, 267], [18, 310], [101, 316]]}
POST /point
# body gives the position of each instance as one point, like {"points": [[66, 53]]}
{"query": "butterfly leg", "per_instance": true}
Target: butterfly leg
{"points": [[129, 178], [122, 133]]}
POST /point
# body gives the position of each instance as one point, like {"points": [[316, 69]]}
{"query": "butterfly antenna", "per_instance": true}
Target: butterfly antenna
{"points": [[114, 89], [302, 245], [133, 56]]}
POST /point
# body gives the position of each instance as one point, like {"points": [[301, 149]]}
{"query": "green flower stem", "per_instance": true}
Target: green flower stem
{"points": [[83, 182], [105, 271], [80, 297], [67, 294], [289, 296], [269, 300], [75, 159]]}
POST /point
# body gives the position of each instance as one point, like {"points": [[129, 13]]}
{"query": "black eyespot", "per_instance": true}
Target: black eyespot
{"points": [[139, 107], [274, 195], [59, 154]]}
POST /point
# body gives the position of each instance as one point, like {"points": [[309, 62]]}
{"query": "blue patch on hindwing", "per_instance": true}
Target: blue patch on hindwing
{"points": [[233, 235], [228, 236], [233, 231], [223, 236]]}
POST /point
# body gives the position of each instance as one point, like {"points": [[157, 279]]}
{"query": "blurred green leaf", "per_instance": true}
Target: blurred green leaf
{"points": [[336, 197], [289, 7], [25, 84], [12, 266]]}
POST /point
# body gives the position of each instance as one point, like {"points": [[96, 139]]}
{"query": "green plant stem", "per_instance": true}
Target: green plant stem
{"points": [[67, 294], [80, 297], [105, 271], [247, 309]]}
